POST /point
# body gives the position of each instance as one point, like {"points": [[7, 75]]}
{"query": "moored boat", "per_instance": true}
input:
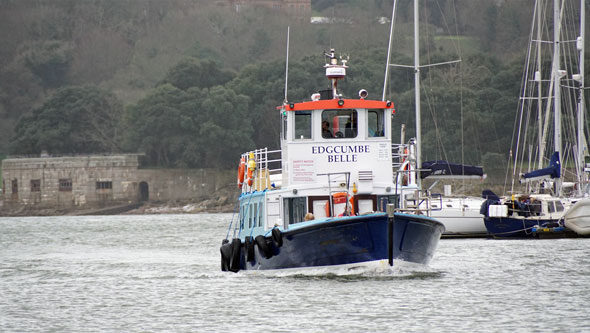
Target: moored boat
{"points": [[525, 216], [327, 198], [577, 218], [542, 208]]}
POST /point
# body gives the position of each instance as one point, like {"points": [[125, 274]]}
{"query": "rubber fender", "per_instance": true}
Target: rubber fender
{"points": [[263, 246], [277, 237], [236, 250], [225, 250], [249, 246]]}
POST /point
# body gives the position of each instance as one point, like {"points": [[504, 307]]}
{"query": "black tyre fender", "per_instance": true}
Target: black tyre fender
{"points": [[277, 237], [236, 251], [249, 248], [263, 246], [226, 251]]}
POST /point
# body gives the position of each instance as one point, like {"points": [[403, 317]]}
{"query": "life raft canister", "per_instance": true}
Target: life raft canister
{"points": [[241, 171], [251, 168], [340, 198]]}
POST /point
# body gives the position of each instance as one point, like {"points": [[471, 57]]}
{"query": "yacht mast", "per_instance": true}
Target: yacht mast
{"points": [[417, 92], [539, 85], [581, 106], [557, 75]]}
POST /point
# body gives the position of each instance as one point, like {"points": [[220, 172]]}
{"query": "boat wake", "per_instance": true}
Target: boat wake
{"points": [[374, 271]]}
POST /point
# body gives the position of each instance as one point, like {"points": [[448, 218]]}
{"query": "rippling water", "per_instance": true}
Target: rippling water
{"points": [[161, 273]]}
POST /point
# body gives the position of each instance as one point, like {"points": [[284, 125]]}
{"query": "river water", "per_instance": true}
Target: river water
{"points": [[155, 273]]}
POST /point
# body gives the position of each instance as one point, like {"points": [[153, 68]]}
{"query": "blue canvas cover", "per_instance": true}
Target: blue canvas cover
{"points": [[446, 169], [552, 171]]}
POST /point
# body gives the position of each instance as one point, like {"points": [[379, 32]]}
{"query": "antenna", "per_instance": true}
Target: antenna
{"points": [[287, 66]]}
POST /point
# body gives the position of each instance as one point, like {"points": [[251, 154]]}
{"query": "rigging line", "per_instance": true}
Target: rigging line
{"points": [[516, 132], [458, 50], [430, 98], [518, 124]]}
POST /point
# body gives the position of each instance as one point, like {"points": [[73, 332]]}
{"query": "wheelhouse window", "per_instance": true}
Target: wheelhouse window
{"points": [[337, 124], [35, 185], [375, 123], [65, 185], [294, 209], [302, 125]]}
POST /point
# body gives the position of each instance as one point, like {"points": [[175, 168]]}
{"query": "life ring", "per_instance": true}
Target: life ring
{"points": [[263, 246], [241, 171], [277, 237], [226, 251], [249, 246], [236, 250], [340, 198]]}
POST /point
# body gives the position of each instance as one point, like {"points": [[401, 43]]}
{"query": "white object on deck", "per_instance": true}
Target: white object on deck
{"points": [[498, 211]]}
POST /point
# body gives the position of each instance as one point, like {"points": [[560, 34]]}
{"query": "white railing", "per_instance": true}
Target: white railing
{"points": [[268, 163]]}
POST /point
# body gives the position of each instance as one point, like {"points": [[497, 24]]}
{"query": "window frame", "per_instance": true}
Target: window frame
{"points": [[35, 185], [346, 132], [297, 134], [65, 184], [104, 184]]}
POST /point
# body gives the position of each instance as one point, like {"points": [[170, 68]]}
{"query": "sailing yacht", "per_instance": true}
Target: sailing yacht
{"points": [[541, 209], [460, 215]]}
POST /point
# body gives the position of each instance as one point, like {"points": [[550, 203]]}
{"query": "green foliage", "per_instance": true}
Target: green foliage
{"points": [[191, 72], [50, 61], [189, 129], [73, 120], [204, 59]]}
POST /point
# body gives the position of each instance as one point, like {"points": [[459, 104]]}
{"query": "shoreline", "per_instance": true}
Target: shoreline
{"points": [[219, 205]]}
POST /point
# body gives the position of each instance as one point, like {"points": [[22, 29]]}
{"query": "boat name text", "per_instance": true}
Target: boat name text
{"points": [[340, 153]]}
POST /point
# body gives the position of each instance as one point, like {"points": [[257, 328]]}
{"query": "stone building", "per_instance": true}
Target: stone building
{"points": [[87, 182], [296, 7]]}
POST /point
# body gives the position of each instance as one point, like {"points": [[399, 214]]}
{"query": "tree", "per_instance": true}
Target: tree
{"points": [[73, 120], [160, 124], [50, 61], [190, 129], [191, 72], [227, 129]]}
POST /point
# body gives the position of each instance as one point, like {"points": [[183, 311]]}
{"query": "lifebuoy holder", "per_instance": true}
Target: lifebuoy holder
{"points": [[340, 198]]}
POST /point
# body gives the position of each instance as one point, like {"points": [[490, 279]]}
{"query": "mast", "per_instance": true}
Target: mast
{"points": [[287, 66], [417, 92], [581, 106], [557, 75], [539, 85], [389, 51]]}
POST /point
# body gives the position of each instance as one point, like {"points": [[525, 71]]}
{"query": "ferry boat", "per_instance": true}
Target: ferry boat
{"points": [[328, 197]]}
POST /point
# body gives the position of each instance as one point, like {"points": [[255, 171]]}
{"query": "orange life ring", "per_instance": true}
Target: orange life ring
{"points": [[241, 171], [340, 198]]}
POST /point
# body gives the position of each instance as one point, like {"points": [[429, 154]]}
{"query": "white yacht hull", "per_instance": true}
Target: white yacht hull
{"points": [[461, 217]]}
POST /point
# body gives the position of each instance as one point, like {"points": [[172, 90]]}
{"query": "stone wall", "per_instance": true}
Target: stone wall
{"points": [[86, 182]]}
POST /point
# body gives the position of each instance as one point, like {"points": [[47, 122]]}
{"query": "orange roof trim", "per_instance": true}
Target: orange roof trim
{"points": [[334, 104]]}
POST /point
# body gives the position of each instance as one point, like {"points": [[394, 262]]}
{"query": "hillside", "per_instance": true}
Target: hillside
{"points": [[132, 49]]}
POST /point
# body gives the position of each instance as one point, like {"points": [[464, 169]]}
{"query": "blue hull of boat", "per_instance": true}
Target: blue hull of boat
{"points": [[350, 240], [507, 227]]}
